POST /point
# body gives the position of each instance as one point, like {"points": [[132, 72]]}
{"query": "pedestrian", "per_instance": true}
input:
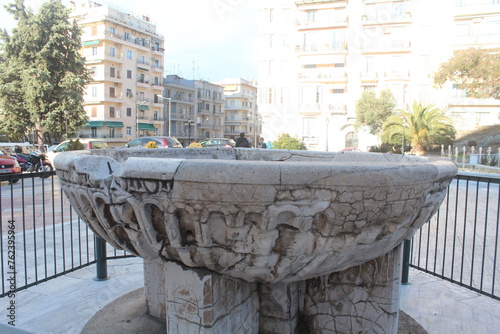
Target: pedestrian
{"points": [[242, 141], [262, 144]]}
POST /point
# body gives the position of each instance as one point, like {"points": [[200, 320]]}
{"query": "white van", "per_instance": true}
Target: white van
{"points": [[88, 144]]}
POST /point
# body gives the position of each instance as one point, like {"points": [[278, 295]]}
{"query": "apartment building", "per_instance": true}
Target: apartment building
{"points": [[209, 120], [241, 109], [180, 98], [125, 56], [317, 57]]}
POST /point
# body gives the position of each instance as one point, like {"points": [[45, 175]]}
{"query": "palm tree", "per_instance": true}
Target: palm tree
{"points": [[424, 126]]}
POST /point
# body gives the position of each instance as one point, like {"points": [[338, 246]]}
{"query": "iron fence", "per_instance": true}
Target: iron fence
{"points": [[41, 236], [460, 243]]}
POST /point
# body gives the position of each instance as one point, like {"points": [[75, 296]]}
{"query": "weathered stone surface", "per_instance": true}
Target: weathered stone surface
{"points": [[199, 301], [258, 215], [361, 299]]}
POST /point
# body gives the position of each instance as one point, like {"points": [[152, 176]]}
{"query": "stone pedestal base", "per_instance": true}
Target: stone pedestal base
{"points": [[360, 299]]}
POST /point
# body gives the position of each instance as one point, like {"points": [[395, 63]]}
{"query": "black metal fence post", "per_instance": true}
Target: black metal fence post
{"points": [[406, 262], [101, 261]]}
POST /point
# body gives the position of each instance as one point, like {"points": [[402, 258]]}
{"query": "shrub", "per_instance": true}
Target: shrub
{"points": [[195, 145], [151, 144], [75, 145], [287, 142]]}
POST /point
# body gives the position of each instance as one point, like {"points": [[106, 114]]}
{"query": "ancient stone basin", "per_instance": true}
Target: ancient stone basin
{"points": [[264, 216]]}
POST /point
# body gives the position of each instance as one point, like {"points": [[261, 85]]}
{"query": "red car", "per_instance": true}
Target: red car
{"points": [[9, 165]]}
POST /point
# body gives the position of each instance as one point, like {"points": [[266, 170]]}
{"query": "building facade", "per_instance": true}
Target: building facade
{"points": [[180, 99], [318, 57], [125, 56], [241, 109], [209, 120]]}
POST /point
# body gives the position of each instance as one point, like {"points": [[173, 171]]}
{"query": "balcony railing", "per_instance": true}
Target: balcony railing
{"points": [[460, 243]]}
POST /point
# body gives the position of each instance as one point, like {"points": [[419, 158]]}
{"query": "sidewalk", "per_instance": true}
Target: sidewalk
{"points": [[65, 304]]}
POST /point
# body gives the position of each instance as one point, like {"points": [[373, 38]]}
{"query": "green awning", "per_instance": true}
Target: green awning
{"points": [[143, 107], [114, 124], [91, 42], [142, 68], [147, 127], [94, 124]]}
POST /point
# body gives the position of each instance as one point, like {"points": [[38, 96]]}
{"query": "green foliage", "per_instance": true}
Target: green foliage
{"points": [[42, 75], [424, 126], [475, 70], [372, 111], [151, 144], [287, 142], [75, 145]]}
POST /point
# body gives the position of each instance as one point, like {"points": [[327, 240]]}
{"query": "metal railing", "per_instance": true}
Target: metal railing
{"points": [[460, 243], [41, 236]]}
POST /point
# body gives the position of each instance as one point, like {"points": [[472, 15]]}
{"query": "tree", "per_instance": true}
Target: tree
{"points": [[42, 75], [372, 111], [475, 70], [424, 126], [287, 142]]}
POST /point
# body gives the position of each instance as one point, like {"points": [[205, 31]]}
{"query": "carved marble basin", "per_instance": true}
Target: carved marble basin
{"points": [[258, 215]]}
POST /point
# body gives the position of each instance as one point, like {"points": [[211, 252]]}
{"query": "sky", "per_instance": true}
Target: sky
{"points": [[204, 39]]}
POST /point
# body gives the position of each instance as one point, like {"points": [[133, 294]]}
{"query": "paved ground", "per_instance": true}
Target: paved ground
{"points": [[66, 304]]}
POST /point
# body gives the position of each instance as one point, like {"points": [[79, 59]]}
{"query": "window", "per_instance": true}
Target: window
{"points": [[270, 96], [93, 112], [111, 132], [129, 92], [338, 91], [111, 91], [231, 103], [111, 112], [112, 72], [128, 131], [94, 51], [351, 140], [129, 112], [129, 54], [397, 9], [126, 36], [112, 52], [129, 74], [141, 78], [112, 30], [94, 91], [155, 115], [311, 15], [142, 60]]}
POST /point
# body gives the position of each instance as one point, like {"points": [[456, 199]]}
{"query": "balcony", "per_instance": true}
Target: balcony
{"points": [[387, 46], [326, 22], [383, 17], [322, 48], [323, 76]]}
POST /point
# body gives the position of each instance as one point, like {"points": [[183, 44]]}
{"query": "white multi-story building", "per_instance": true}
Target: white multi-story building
{"points": [[241, 109], [125, 56], [317, 57], [209, 119]]}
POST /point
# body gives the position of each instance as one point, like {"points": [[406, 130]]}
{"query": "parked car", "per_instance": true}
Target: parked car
{"points": [[9, 165], [218, 142], [161, 142], [88, 144]]}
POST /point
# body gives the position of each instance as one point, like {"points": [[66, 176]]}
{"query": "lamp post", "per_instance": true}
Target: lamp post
{"points": [[189, 123], [137, 118], [169, 99]]}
